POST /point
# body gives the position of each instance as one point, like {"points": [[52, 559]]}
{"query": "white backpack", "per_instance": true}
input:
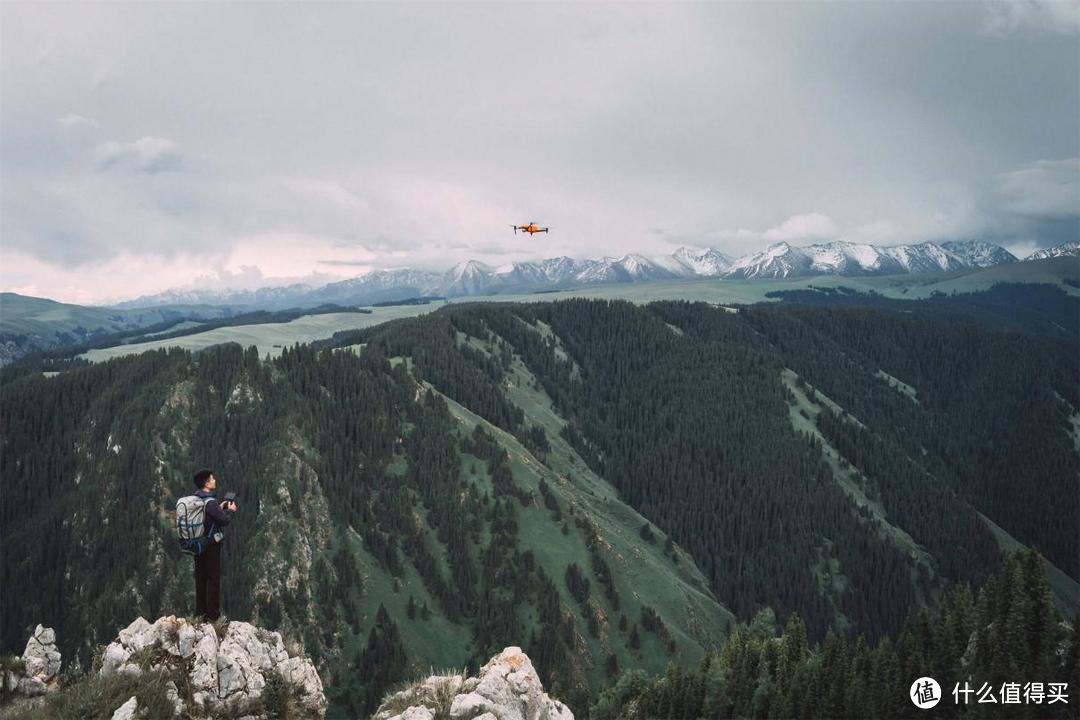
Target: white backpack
{"points": [[190, 524]]}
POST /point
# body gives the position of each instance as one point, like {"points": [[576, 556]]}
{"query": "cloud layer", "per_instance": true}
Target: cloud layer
{"points": [[158, 145]]}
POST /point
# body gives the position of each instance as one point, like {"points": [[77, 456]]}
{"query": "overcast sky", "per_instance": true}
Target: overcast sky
{"points": [[148, 146]]}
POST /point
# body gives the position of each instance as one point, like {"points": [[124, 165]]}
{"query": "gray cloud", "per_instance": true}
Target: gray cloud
{"points": [[346, 263], [1055, 16], [147, 154], [299, 139], [1043, 190], [75, 120]]}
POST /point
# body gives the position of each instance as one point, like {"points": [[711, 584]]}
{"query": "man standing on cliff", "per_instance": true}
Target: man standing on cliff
{"points": [[208, 563]]}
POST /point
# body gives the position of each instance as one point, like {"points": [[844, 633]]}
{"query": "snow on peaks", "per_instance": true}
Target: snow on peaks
{"points": [[1069, 247], [979, 253], [636, 265], [778, 260], [470, 269], [700, 262], [777, 249]]}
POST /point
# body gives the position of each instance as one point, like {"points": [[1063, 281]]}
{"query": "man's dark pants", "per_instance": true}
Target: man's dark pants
{"points": [[208, 582]]}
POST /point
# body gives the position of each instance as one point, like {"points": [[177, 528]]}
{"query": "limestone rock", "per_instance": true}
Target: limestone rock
{"points": [[468, 705], [204, 673], [115, 657], [135, 629], [128, 710], [173, 694], [507, 688], [428, 695], [40, 673], [226, 676], [31, 687], [41, 656]]}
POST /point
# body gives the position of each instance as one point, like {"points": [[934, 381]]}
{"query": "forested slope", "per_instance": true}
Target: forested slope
{"points": [[596, 482], [385, 529]]}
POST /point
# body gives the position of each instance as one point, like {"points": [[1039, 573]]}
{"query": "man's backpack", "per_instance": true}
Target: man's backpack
{"points": [[191, 525]]}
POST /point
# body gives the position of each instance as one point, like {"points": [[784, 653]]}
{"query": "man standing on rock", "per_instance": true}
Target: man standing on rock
{"points": [[208, 563]]}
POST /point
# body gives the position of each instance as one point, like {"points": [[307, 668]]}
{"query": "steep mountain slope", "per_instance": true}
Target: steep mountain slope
{"points": [[919, 487], [595, 482], [384, 528], [992, 421]]}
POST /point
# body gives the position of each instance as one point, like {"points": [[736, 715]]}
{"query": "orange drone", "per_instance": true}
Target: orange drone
{"points": [[532, 228]]}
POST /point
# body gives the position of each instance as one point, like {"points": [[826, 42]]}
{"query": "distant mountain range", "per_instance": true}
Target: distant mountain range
{"points": [[780, 260], [1071, 247]]}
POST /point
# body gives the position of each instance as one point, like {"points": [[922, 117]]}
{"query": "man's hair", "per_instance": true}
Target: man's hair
{"points": [[201, 477]]}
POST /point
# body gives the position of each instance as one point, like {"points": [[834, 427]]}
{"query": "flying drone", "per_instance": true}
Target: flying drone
{"points": [[531, 228]]}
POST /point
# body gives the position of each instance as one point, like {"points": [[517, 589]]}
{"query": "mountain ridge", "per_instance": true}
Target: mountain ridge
{"points": [[472, 277]]}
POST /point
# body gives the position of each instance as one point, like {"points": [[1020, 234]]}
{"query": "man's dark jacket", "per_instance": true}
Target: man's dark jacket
{"points": [[215, 517]]}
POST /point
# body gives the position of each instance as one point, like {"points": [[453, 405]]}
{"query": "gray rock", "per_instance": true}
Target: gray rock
{"points": [[31, 687], [204, 675], [41, 655], [128, 710], [128, 634], [507, 688], [115, 657], [203, 700], [416, 712], [433, 693], [46, 636], [187, 636], [173, 694], [40, 672], [468, 705], [512, 690], [300, 673], [226, 677], [231, 676]]}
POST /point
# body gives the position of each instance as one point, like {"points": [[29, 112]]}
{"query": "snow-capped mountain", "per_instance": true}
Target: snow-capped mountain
{"points": [[562, 269], [379, 285], [979, 253], [846, 258], [629, 268], [706, 262], [467, 278], [777, 260], [1069, 247], [471, 277]]}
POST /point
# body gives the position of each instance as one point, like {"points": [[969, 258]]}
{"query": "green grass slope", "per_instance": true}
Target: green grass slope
{"points": [[643, 574], [269, 338], [25, 315]]}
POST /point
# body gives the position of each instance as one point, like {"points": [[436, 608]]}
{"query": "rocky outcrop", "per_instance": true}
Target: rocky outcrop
{"points": [[127, 711], [232, 674], [507, 688], [40, 667]]}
